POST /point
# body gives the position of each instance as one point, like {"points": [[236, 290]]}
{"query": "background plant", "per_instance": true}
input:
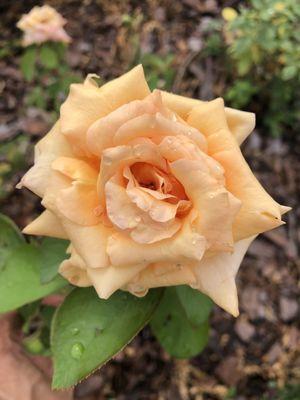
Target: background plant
{"points": [[263, 48], [45, 67]]}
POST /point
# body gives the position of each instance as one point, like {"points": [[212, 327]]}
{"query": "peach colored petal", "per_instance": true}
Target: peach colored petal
{"points": [[75, 169], [148, 231], [101, 133], [184, 245], [216, 276], [162, 275], [75, 271], [155, 126], [116, 158], [107, 280], [46, 224], [214, 204], [120, 210], [125, 214], [53, 145], [158, 210], [259, 212], [87, 103], [241, 123], [89, 242], [78, 203]]}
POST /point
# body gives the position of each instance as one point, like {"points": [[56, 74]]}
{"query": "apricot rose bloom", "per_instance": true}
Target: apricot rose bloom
{"points": [[43, 24], [151, 189]]}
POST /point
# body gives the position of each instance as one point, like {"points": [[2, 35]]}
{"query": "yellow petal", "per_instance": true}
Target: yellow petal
{"points": [[216, 276], [259, 212], [47, 224], [86, 103], [107, 280], [48, 149], [241, 123], [75, 271]]}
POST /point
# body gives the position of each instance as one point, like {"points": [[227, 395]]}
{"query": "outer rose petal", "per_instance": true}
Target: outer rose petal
{"points": [[75, 169], [86, 103], [47, 224], [240, 123], [53, 145], [74, 270], [162, 274], [107, 280], [259, 212], [216, 276]]}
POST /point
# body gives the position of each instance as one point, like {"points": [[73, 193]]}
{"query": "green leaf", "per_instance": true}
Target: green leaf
{"points": [[87, 331], [196, 305], [20, 279], [48, 57], [27, 63], [175, 326], [10, 237], [53, 251]]}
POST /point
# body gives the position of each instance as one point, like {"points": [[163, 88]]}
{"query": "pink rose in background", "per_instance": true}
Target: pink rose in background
{"points": [[43, 24]]}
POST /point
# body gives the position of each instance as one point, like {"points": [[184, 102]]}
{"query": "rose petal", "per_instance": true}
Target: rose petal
{"points": [[155, 126], [53, 145], [75, 271], [47, 224], [101, 133], [86, 103], [107, 280], [162, 275], [184, 245], [216, 276], [240, 123], [213, 202], [259, 212], [78, 203], [75, 169]]}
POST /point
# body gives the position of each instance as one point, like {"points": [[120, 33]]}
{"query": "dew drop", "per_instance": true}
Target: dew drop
{"points": [[77, 351], [74, 331]]}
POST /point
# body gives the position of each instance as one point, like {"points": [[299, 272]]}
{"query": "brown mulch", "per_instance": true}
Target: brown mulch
{"points": [[248, 356]]}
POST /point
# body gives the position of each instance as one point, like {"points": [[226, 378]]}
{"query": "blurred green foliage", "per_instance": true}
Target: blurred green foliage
{"points": [[263, 47], [45, 66], [12, 160], [159, 71]]}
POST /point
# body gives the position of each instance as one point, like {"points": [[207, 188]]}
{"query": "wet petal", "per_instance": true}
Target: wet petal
{"points": [[75, 169], [184, 245]]}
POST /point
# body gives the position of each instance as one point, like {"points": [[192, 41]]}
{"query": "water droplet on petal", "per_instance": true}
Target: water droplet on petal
{"points": [[77, 351]]}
